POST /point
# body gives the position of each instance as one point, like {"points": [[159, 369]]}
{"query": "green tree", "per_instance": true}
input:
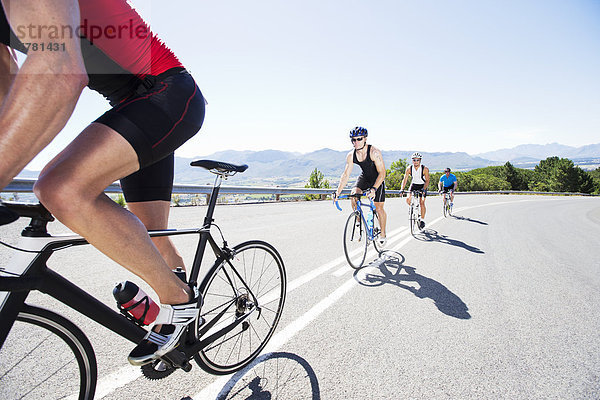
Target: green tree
{"points": [[515, 177], [485, 182], [316, 180], [556, 174], [595, 175], [394, 175]]}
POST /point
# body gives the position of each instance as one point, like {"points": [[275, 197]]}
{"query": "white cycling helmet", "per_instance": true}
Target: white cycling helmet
{"points": [[416, 154]]}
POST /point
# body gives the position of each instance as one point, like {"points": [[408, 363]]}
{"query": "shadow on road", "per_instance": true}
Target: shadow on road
{"points": [[387, 269], [278, 375], [460, 218], [430, 235]]}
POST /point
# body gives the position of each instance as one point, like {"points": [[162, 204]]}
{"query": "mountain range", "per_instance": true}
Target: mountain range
{"points": [[274, 167]]}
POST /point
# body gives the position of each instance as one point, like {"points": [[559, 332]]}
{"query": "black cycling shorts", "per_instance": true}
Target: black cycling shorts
{"points": [[447, 189], [365, 185], [416, 186], [156, 121]]}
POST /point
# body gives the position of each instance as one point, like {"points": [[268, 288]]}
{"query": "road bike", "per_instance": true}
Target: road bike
{"points": [[360, 231], [447, 204], [43, 353], [414, 212]]}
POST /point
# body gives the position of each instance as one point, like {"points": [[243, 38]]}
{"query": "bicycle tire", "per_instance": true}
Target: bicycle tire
{"points": [[412, 220], [41, 355], [445, 206], [222, 288], [355, 240]]}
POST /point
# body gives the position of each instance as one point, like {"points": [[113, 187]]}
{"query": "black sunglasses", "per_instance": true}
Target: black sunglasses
{"points": [[358, 139]]}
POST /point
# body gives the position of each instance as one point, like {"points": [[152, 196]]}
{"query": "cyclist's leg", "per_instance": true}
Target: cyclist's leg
{"points": [[381, 214], [155, 216], [379, 201], [72, 187], [148, 195], [355, 190]]}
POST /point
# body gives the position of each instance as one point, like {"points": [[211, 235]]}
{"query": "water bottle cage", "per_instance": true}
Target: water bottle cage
{"points": [[129, 316]]}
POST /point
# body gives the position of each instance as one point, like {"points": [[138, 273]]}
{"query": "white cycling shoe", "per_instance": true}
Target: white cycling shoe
{"points": [[382, 241], [174, 320]]}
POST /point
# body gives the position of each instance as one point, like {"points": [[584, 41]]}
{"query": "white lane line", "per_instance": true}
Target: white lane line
{"points": [[115, 380]]}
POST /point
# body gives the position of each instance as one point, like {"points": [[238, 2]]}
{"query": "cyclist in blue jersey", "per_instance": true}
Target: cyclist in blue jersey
{"points": [[448, 183], [371, 180]]}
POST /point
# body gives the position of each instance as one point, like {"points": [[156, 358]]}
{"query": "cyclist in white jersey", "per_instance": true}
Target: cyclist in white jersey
{"points": [[420, 181]]}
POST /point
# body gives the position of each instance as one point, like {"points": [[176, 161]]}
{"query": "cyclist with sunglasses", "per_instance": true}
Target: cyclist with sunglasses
{"points": [[371, 180], [420, 181], [448, 183]]}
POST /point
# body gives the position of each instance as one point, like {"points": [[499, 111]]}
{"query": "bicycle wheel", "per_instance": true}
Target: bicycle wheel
{"points": [[412, 220], [355, 240], [46, 356], [243, 301], [377, 233], [446, 206]]}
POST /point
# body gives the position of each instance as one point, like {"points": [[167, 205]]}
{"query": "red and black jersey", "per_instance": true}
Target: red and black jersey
{"points": [[119, 49]]}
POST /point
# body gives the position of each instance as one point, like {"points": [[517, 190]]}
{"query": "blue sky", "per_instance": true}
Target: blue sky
{"points": [[437, 75]]}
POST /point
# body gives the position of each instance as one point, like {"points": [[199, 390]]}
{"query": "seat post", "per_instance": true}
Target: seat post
{"points": [[213, 200]]}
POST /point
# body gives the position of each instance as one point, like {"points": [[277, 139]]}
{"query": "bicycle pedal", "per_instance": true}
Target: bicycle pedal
{"points": [[177, 359]]}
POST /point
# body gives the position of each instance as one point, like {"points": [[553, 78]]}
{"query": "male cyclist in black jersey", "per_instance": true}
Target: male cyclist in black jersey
{"points": [[156, 107], [420, 181], [371, 180]]}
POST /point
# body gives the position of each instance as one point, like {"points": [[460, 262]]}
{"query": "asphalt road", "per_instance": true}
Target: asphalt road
{"points": [[500, 301]]}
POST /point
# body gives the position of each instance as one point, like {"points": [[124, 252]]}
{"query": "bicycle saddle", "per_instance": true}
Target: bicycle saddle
{"points": [[220, 166]]}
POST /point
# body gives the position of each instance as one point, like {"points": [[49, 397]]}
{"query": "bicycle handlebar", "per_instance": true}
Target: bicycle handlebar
{"points": [[356, 195]]}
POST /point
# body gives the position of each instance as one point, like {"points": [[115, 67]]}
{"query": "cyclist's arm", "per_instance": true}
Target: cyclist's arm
{"points": [[440, 184], [380, 165], [46, 88], [406, 174], [345, 174], [426, 173]]}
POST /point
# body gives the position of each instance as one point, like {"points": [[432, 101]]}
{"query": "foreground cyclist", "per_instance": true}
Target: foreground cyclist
{"points": [[371, 180], [420, 181], [106, 46], [448, 183]]}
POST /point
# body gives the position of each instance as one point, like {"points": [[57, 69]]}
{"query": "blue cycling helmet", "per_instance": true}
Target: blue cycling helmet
{"points": [[359, 131]]}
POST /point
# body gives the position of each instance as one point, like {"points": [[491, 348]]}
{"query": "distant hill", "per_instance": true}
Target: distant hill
{"points": [[540, 152], [282, 168]]}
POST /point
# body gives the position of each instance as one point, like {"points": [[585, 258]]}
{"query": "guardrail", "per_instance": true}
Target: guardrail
{"points": [[24, 185]]}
